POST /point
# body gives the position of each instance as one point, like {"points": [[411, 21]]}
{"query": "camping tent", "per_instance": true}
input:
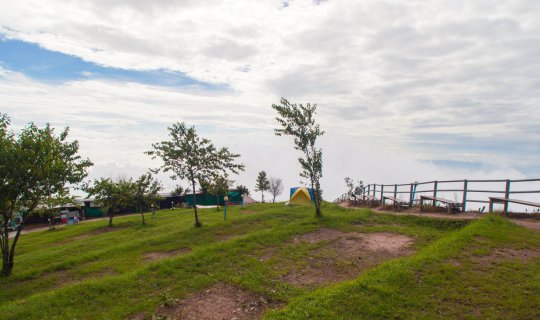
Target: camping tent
{"points": [[301, 196]]}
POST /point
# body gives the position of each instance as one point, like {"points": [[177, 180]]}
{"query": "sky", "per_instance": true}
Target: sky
{"points": [[406, 90]]}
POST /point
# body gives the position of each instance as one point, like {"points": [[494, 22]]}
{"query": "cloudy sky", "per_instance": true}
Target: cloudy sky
{"points": [[406, 90]]}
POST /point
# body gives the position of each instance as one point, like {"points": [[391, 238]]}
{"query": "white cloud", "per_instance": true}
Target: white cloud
{"points": [[391, 74]]}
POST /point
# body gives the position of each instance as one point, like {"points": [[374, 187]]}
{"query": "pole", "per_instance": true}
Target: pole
{"points": [[506, 196], [465, 184], [435, 185], [382, 194], [411, 197]]}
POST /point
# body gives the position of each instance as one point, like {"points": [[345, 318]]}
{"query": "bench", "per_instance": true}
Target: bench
{"points": [[450, 204], [493, 200], [396, 201]]}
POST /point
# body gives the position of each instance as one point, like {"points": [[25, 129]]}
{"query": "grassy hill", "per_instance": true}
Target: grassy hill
{"points": [[277, 262]]}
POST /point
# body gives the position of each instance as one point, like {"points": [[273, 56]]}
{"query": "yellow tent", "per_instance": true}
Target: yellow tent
{"points": [[301, 196]]}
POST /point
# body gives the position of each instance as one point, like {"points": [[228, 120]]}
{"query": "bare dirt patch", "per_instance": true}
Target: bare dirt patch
{"points": [[154, 256], [219, 302], [507, 254], [345, 256]]}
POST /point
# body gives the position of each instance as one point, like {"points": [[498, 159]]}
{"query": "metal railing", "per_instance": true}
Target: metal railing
{"points": [[465, 188]]}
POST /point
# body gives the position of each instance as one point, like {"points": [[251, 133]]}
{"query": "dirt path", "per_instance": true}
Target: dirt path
{"points": [[527, 223]]}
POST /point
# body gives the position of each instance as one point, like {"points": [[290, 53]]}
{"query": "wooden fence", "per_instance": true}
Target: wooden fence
{"points": [[467, 190]]}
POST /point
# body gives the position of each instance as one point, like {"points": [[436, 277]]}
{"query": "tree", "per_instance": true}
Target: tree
{"points": [[35, 165], [112, 195], [146, 193], [218, 186], [350, 187], [190, 157], [179, 190], [275, 187], [242, 190], [50, 204], [298, 121], [262, 184]]}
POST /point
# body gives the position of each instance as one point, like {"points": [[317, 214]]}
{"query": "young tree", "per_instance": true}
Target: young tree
{"points": [[112, 195], [146, 193], [275, 187], [350, 187], [190, 157], [262, 184], [35, 165], [298, 121], [50, 204], [179, 190], [218, 186], [242, 190]]}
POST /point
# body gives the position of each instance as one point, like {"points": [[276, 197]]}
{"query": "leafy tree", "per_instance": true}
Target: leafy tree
{"points": [[218, 186], [35, 165], [242, 190], [179, 190], [112, 195], [50, 204], [298, 121], [275, 187], [190, 157], [147, 190], [262, 184]]}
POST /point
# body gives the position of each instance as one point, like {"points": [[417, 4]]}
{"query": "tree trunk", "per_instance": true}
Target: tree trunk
{"points": [[6, 270], [274, 199], [142, 215], [11, 261], [262, 196], [110, 217], [197, 223]]}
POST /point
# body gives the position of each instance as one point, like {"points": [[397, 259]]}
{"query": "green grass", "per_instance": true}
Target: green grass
{"points": [[84, 273]]}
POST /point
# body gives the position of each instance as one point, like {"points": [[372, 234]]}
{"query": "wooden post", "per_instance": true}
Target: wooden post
{"points": [[382, 194], [435, 185], [506, 196], [374, 190], [395, 198], [411, 195], [465, 184], [490, 205]]}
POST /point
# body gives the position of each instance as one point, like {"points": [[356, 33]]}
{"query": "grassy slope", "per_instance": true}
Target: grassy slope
{"points": [[51, 278]]}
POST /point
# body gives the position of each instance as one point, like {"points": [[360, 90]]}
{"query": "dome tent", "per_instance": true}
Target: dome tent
{"points": [[301, 196]]}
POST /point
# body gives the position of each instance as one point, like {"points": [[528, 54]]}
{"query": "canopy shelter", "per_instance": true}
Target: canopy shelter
{"points": [[301, 196]]}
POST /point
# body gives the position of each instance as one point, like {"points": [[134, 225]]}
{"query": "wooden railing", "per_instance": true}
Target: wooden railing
{"points": [[466, 190]]}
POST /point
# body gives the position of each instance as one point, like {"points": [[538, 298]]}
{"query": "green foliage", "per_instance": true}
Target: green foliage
{"points": [[113, 195], [192, 158], [243, 190], [298, 121], [36, 166], [147, 190], [179, 190], [262, 184]]}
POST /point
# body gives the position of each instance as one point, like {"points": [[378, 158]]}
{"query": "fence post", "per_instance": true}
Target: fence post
{"points": [[435, 185], [411, 197], [395, 191], [465, 184], [374, 190], [382, 194], [506, 196]]}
